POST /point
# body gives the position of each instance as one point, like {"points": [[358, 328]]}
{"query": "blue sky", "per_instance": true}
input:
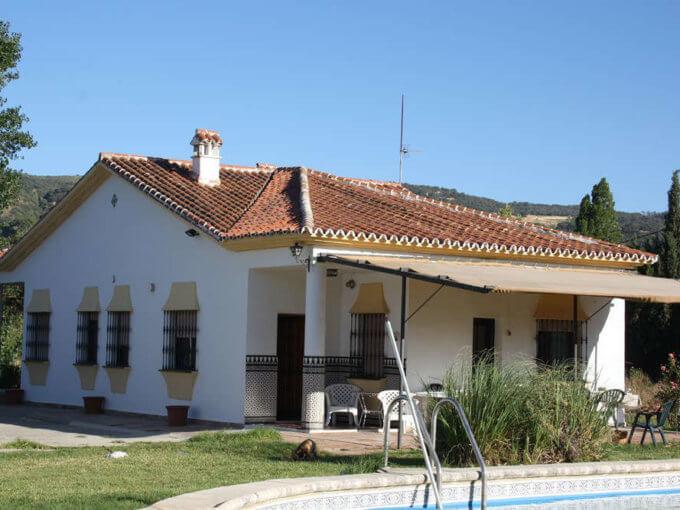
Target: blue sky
{"points": [[516, 100]]}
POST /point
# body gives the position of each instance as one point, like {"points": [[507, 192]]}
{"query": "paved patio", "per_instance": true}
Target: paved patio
{"points": [[60, 426], [67, 426]]}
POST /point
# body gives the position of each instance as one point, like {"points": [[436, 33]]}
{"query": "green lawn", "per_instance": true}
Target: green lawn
{"points": [[86, 478]]}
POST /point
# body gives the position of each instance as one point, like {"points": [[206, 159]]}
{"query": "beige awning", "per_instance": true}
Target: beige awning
{"points": [[90, 301], [120, 301], [517, 277], [40, 301], [371, 299], [558, 307], [183, 296]]}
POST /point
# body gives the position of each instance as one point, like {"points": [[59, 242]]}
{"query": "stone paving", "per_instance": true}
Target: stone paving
{"points": [[68, 426], [61, 426]]}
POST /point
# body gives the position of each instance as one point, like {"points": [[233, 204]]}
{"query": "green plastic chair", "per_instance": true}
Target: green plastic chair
{"points": [[661, 416], [610, 400]]}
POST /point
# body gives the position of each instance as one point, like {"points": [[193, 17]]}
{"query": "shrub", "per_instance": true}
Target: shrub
{"points": [[521, 415], [639, 383], [669, 387], [11, 337]]}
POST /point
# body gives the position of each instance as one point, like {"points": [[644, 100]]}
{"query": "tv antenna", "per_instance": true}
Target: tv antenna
{"points": [[404, 150]]}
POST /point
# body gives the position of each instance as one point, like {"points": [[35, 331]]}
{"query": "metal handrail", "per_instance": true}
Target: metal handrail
{"points": [[426, 444], [471, 437]]}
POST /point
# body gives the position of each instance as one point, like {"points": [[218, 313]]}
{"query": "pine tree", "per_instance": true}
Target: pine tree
{"points": [[12, 138], [585, 211]]}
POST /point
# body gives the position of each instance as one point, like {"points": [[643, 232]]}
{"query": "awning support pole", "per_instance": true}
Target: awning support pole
{"points": [[576, 338], [402, 328]]}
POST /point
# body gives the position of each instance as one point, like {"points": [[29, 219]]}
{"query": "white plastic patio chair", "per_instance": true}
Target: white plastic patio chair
{"points": [[342, 399], [386, 397]]}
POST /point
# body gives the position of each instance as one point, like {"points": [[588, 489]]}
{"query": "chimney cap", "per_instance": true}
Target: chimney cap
{"points": [[206, 135]]}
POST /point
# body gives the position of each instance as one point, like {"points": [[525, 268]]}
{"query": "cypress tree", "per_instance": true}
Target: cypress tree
{"points": [[604, 224], [585, 211], [597, 216], [670, 253]]}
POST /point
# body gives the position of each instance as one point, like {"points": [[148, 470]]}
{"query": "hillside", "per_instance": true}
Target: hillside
{"points": [[633, 225], [39, 193]]}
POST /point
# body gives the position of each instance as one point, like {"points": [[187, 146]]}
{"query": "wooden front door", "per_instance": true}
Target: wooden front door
{"points": [[290, 349]]}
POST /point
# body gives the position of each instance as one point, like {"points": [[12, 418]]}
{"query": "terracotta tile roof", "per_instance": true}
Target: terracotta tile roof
{"points": [[265, 200]]}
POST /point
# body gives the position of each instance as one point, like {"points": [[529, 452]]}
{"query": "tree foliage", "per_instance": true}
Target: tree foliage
{"points": [[653, 330], [597, 215], [506, 211], [13, 139], [585, 212]]}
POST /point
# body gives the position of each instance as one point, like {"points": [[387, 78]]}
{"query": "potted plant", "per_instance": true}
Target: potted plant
{"points": [[93, 405], [177, 415]]}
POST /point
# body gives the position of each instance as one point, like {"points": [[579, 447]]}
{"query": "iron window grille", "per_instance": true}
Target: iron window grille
{"points": [[555, 340], [37, 337], [367, 343], [180, 329], [88, 337], [118, 339]]}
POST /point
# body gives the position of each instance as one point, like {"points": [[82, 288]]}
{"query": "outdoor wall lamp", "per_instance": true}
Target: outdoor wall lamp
{"points": [[296, 251], [192, 232]]}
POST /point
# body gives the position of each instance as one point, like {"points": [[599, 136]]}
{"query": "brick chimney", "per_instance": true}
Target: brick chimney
{"points": [[205, 162]]}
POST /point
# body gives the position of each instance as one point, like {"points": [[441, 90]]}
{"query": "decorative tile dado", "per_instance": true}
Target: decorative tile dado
{"points": [[261, 362], [519, 489]]}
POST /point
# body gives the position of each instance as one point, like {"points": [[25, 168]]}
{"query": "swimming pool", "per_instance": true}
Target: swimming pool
{"points": [[598, 485], [625, 500]]}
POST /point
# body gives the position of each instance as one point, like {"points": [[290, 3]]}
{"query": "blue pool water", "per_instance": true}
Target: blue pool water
{"points": [[624, 500]]}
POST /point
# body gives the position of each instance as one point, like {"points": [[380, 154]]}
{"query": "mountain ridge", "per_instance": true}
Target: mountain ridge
{"points": [[39, 193]]}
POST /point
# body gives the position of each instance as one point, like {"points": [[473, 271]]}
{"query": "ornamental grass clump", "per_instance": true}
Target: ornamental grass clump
{"points": [[521, 414]]}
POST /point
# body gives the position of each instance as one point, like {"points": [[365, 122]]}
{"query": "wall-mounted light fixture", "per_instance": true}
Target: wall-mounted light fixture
{"points": [[296, 251], [350, 284], [192, 232]]}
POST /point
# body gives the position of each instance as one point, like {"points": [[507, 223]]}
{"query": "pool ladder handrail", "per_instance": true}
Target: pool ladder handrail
{"points": [[471, 437], [421, 429], [427, 441]]}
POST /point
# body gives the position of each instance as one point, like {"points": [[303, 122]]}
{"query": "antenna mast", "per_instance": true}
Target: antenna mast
{"points": [[403, 151]]}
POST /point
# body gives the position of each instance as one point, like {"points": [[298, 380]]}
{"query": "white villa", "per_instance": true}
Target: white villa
{"points": [[244, 291]]}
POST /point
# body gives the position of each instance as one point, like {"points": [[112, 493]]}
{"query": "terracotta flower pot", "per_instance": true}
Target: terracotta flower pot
{"points": [[177, 415], [14, 396], [93, 405]]}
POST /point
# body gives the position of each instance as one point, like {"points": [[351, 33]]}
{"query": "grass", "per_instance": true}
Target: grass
{"points": [[85, 478], [76, 478]]}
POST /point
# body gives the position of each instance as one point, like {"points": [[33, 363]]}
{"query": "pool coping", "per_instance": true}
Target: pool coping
{"points": [[240, 496]]}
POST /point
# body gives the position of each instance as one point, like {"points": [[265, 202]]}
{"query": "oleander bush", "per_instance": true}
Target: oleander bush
{"points": [[521, 414]]}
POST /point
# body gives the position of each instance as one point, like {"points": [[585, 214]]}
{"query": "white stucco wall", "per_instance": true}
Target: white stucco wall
{"points": [[272, 292], [137, 243]]}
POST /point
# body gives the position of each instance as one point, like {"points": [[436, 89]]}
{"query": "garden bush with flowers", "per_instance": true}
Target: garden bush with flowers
{"points": [[670, 387]]}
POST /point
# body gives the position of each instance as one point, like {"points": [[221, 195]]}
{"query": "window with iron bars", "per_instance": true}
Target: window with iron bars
{"points": [[179, 340], [117, 339], [87, 338], [555, 340], [367, 343], [38, 336]]}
